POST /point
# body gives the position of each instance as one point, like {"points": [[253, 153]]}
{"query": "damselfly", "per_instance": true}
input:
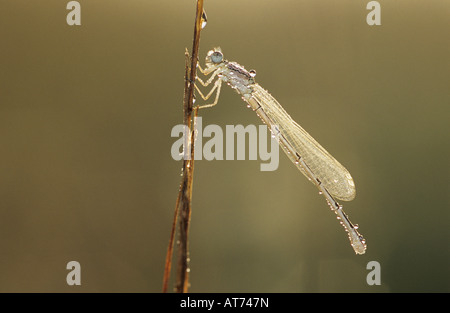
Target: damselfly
{"points": [[330, 177]]}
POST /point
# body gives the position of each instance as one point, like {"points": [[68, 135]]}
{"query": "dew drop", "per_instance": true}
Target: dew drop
{"points": [[204, 19], [252, 73]]}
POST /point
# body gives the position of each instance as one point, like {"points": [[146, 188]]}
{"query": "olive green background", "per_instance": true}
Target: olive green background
{"points": [[86, 172]]}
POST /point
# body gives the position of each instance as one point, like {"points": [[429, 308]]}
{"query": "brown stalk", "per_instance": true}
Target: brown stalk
{"points": [[183, 202]]}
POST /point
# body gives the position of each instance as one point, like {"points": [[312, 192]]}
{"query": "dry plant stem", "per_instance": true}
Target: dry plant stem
{"points": [[183, 184], [170, 248], [182, 281], [183, 203]]}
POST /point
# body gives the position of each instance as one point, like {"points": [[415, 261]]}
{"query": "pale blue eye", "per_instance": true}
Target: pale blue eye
{"points": [[217, 57]]}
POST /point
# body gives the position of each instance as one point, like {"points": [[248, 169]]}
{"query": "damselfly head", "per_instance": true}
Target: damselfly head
{"points": [[214, 56]]}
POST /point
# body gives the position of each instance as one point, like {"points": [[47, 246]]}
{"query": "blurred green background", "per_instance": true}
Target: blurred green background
{"points": [[86, 172]]}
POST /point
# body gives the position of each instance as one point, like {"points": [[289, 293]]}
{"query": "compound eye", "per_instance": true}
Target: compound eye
{"points": [[217, 57]]}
